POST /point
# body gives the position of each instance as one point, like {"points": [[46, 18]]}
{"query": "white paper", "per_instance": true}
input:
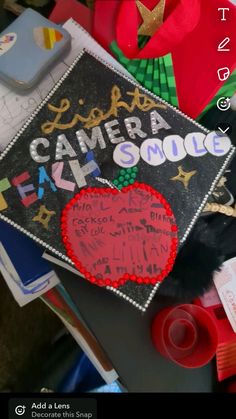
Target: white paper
{"points": [[53, 259], [225, 282]]}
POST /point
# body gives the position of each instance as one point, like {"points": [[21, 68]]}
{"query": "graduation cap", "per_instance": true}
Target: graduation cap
{"points": [[110, 178]]}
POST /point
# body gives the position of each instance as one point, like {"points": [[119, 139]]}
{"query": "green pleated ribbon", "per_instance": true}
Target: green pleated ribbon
{"points": [[156, 75]]}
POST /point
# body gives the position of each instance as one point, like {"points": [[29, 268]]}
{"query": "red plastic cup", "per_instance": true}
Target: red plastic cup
{"points": [[182, 335], [179, 333], [185, 334]]}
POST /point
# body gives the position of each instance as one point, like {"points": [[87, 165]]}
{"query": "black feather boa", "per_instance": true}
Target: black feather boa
{"points": [[212, 241]]}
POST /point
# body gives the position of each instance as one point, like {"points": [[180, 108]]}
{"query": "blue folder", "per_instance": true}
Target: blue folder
{"points": [[25, 255]]}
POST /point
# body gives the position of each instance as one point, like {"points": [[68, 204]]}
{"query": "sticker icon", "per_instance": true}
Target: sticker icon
{"points": [[223, 73], [20, 410], [7, 41], [223, 103], [46, 38]]}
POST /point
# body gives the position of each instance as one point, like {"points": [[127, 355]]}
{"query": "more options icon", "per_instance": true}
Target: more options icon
{"points": [[223, 128]]}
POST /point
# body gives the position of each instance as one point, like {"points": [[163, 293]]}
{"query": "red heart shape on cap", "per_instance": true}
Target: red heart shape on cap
{"points": [[114, 236]]}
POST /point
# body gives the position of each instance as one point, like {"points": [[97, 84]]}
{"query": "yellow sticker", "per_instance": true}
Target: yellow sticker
{"points": [[46, 38], [44, 216]]}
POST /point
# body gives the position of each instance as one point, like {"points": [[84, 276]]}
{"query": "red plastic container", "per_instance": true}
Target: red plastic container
{"points": [[185, 334]]}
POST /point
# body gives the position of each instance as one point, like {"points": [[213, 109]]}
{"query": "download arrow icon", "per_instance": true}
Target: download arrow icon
{"points": [[224, 128], [223, 131]]}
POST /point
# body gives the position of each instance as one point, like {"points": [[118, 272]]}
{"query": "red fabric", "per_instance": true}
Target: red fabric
{"points": [[195, 58], [65, 9], [105, 13], [179, 21]]}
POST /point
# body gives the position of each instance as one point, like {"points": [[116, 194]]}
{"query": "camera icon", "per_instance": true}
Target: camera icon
{"points": [[20, 410]]}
